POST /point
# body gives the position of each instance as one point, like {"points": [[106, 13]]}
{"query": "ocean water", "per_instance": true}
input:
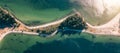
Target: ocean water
{"points": [[83, 43], [74, 43]]}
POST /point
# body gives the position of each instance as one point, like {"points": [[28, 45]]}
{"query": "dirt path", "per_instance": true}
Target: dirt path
{"points": [[23, 26], [48, 24], [112, 27]]}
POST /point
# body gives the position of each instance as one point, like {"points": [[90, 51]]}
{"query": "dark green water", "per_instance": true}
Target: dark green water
{"points": [[83, 43], [77, 45]]}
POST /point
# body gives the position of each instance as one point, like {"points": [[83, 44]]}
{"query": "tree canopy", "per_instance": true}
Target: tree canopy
{"points": [[73, 22]]}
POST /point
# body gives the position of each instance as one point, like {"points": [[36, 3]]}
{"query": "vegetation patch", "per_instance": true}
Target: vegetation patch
{"points": [[74, 22], [6, 20]]}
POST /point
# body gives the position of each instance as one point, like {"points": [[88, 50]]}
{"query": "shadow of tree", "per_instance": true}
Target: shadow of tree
{"points": [[79, 45], [69, 32]]}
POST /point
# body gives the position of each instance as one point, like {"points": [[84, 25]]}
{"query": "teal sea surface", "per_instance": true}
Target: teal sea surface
{"points": [[76, 43]]}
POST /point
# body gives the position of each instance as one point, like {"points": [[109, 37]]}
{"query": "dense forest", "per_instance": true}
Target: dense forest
{"points": [[73, 22], [6, 20]]}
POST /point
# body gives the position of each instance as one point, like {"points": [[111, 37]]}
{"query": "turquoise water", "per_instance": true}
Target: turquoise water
{"points": [[75, 43]]}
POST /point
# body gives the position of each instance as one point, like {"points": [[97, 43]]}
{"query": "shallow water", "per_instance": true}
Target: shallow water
{"points": [[76, 43], [81, 44]]}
